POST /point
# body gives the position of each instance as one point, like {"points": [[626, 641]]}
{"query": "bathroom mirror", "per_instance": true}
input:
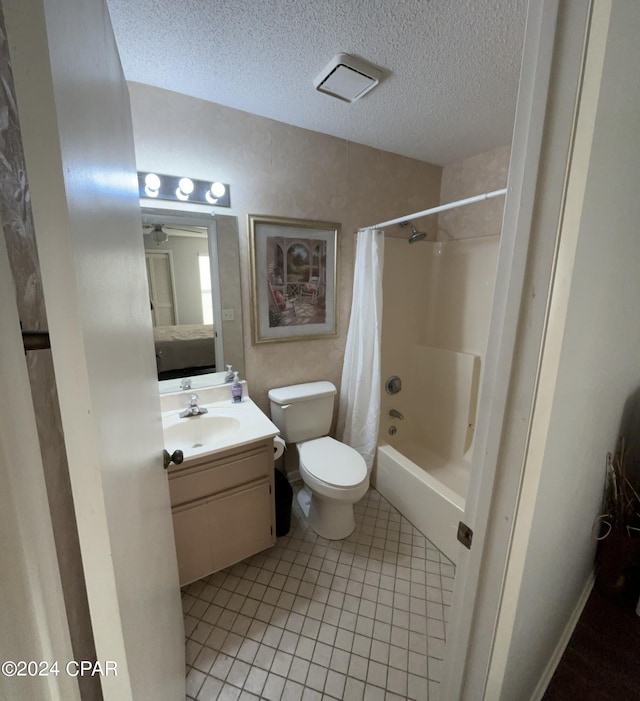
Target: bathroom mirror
{"points": [[193, 275]]}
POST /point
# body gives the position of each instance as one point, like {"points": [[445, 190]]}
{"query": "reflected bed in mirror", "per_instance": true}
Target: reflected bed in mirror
{"points": [[193, 274]]}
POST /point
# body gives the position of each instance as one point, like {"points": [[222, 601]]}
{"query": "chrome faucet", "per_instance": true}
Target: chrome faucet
{"points": [[192, 408], [396, 414]]}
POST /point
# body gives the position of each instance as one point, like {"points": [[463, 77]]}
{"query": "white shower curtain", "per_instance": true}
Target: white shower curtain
{"points": [[359, 409]]}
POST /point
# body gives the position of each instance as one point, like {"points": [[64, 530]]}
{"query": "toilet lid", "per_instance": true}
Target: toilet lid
{"points": [[333, 462]]}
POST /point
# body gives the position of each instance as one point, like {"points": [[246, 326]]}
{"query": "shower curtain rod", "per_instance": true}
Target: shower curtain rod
{"points": [[440, 208]]}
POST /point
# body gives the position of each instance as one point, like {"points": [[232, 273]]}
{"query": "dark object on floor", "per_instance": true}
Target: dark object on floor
{"points": [[618, 564], [601, 662], [284, 499]]}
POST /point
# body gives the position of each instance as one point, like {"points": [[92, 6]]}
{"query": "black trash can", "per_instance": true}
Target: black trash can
{"points": [[284, 499]]}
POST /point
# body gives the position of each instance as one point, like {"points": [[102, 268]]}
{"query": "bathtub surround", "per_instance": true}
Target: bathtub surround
{"points": [[285, 171], [359, 410], [436, 345], [437, 301], [461, 276], [435, 335], [424, 469]]}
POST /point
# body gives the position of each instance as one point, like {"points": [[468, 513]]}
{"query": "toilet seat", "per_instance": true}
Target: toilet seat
{"points": [[333, 469]]}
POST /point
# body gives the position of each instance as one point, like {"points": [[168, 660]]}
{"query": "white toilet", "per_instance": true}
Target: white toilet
{"points": [[334, 474]]}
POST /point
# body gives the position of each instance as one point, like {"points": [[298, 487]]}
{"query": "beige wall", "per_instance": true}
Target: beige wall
{"points": [[277, 169], [476, 175]]}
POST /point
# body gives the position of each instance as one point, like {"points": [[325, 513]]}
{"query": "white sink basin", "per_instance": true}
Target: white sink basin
{"points": [[225, 425], [200, 434]]}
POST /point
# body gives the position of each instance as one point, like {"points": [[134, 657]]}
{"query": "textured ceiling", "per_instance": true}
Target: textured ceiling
{"points": [[451, 66]]}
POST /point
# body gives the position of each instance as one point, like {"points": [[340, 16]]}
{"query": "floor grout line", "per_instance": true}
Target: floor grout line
{"points": [[312, 620]]}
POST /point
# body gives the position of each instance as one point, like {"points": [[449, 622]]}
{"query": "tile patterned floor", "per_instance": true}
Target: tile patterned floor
{"points": [[312, 619]]}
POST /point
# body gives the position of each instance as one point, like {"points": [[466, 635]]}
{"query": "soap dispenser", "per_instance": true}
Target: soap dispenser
{"points": [[236, 389], [229, 377]]}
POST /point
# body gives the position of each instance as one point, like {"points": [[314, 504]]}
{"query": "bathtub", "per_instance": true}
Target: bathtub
{"points": [[421, 494], [423, 460]]}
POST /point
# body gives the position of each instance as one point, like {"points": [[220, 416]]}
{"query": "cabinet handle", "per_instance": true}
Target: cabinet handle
{"points": [[176, 457]]}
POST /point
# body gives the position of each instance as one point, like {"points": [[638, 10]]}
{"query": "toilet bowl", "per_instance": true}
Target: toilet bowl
{"points": [[335, 475], [335, 478]]}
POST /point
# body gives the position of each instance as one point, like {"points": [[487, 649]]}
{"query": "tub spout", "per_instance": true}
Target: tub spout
{"points": [[396, 414]]}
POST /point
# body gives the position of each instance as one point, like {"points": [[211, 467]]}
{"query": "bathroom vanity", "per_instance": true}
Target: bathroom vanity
{"points": [[222, 495], [223, 508]]}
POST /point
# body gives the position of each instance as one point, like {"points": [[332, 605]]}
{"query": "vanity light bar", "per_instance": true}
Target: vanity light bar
{"points": [[180, 189]]}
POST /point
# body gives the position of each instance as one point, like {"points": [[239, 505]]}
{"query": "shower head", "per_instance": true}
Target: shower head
{"points": [[415, 234]]}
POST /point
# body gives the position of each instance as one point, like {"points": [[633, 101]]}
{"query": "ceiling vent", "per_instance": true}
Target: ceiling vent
{"points": [[347, 78]]}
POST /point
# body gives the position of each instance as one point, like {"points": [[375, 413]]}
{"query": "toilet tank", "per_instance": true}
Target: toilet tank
{"points": [[303, 412]]}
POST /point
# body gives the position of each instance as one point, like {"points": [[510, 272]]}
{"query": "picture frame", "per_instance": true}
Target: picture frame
{"points": [[294, 265]]}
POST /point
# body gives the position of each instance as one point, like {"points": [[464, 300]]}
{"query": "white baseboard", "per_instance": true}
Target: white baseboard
{"points": [[555, 658]]}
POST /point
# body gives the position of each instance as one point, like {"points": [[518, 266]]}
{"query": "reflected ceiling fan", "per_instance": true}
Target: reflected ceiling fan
{"points": [[159, 233]]}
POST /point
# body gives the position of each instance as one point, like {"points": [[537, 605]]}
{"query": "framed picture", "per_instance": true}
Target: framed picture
{"points": [[293, 278]]}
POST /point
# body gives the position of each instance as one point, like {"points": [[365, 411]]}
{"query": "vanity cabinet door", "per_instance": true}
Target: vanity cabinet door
{"points": [[193, 546], [223, 509], [241, 525], [221, 530]]}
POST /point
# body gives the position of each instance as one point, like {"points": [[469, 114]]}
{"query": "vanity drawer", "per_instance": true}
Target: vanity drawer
{"points": [[220, 474]]}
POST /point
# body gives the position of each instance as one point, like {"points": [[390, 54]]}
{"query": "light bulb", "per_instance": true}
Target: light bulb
{"points": [[185, 188], [151, 185], [218, 189], [186, 185], [152, 181]]}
